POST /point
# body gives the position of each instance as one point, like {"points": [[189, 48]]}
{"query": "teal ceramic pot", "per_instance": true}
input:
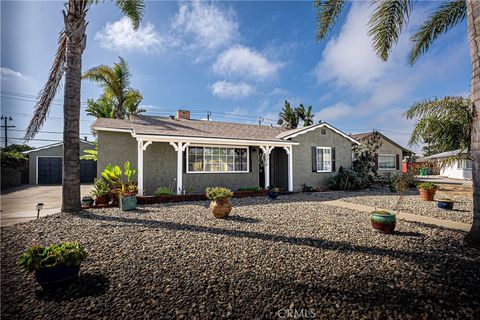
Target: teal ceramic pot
{"points": [[384, 223], [87, 201], [128, 203]]}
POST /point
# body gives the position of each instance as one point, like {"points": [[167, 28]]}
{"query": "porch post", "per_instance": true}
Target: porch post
{"points": [[290, 167], [140, 148], [179, 147], [266, 150]]}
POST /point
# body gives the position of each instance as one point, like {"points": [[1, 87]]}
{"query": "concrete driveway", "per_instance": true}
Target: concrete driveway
{"points": [[18, 204]]}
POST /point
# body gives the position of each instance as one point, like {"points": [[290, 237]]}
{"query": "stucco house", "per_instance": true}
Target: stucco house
{"points": [[195, 154], [456, 168], [389, 156]]}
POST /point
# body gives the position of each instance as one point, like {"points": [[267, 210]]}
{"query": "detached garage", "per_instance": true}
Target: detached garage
{"points": [[45, 164]]}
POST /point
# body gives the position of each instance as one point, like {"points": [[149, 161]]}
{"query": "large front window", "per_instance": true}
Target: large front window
{"points": [[464, 164], [324, 159], [217, 159], [387, 162]]}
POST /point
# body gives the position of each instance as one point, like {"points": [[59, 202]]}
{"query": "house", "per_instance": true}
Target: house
{"points": [[194, 154], [455, 168], [389, 156], [45, 164]]}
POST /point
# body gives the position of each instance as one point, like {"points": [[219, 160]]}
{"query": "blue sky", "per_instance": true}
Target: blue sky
{"points": [[238, 60]]}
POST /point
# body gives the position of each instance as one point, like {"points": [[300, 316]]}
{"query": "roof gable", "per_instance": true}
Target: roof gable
{"points": [[361, 136], [299, 131]]}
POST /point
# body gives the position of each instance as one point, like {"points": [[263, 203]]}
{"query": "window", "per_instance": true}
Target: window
{"points": [[324, 159], [387, 162], [323, 131], [464, 164], [217, 159]]}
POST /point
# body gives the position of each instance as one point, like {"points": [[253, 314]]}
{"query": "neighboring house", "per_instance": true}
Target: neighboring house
{"points": [[45, 164], [456, 168], [389, 156], [196, 154]]}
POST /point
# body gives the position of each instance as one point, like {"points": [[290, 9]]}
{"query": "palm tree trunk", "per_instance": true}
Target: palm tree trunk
{"points": [[473, 25], [75, 26]]}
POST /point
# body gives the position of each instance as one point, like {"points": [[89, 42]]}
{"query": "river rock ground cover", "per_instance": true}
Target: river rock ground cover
{"points": [[177, 261]]}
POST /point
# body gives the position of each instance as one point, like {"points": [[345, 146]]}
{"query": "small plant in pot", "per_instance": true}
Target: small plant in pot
{"points": [[100, 192], [273, 192], [220, 204], [427, 190], [445, 203], [129, 189], [54, 265]]}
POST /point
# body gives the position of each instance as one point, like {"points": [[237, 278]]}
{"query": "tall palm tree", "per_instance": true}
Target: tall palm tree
{"points": [[288, 118], [115, 82], [305, 115], [100, 108], [385, 25], [68, 61], [445, 124]]}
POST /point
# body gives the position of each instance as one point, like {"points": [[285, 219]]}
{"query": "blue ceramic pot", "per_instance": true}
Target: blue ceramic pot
{"points": [[272, 195], [55, 276], [128, 203], [445, 204]]}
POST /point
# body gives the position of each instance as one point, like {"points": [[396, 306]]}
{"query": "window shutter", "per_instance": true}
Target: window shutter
{"points": [[250, 149], [398, 161], [185, 161], [333, 159], [376, 161], [314, 159]]}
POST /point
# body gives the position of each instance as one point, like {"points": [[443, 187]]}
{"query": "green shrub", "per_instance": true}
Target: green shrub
{"points": [[100, 188], [163, 191], [427, 186], [347, 180], [69, 254], [218, 193], [274, 189]]}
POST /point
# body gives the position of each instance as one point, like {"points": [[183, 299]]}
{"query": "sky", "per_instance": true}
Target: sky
{"points": [[239, 60]]}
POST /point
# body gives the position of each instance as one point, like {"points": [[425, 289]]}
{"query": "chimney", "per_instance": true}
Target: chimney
{"points": [[183, 114]]}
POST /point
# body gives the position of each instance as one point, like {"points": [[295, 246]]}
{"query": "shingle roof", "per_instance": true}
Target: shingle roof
{"points": [[151, 125], [361, 136]]}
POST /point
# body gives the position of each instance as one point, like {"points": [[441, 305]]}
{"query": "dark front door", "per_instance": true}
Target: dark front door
{"points": [[49, 170], [88, 171]]}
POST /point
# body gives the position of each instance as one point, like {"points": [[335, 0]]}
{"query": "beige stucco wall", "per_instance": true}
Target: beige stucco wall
{"points": [[389, 148], [56, 151], [302, 157]]}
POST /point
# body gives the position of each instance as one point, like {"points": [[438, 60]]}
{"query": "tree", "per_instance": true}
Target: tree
{"points": [[288, 117], [91, 154], [385, 25], [68, 61], [305, 115], [117, 93], [445, 124]]}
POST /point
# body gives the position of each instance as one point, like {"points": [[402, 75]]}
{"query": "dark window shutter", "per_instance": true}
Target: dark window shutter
{"points": [[376, 161], [398, 162], [185, 161], [333, 160], [250, 149], [314, 159]]}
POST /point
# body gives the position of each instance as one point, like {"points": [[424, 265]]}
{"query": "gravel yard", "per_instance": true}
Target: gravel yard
{"points": [[268, 260]]}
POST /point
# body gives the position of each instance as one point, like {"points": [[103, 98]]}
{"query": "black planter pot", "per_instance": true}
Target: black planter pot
{"points": [[272, 195], [445, 204], [56, 276]]}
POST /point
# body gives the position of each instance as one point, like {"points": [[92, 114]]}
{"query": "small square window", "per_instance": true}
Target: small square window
{"points": [[323, 131]]}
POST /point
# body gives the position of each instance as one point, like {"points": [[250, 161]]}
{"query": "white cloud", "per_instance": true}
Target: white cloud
{"points": [[334, 112], [120, 35], [210, 26], [10, 74], [240, 61], [234, 90]]}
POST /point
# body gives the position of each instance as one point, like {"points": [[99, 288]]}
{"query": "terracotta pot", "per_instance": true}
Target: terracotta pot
{"points": [[427, 195], [105, 199], [221, 208]]}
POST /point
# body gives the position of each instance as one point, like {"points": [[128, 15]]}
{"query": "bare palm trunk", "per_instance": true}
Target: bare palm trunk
{"points": [[473, 23], [75, 26]]}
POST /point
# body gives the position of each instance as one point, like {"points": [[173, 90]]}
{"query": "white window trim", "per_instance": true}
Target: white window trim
{"points": [[388, 155], [218, 146], [324, 148]]}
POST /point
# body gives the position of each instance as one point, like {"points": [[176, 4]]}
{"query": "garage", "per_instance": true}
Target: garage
{"points": [[45, 164]]}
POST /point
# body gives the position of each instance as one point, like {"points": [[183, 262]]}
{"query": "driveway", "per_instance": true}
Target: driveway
{"points": [[18, 204]]}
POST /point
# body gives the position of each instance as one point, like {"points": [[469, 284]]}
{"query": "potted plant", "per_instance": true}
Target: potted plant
{"points": [[383, 221], [427, 190], [113, 175], [54, 265], [129, 189], [220, 204], [100, 192], [273, 192], [445, 203], [87, 201]]}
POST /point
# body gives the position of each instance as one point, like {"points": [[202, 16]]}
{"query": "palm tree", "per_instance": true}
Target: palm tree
{"points": [[115, 82], [305, 115], [68, 61], [100, 108], [288, 117], [385, 25], [445, 124]]}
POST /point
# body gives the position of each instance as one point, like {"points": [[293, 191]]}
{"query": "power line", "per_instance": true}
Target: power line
{"points": [[52, 132]]}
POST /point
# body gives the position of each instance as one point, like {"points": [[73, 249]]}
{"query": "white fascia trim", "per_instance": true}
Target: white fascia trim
{"points": [[112, 129], [53, 146], [321, 125], [214, 141]]}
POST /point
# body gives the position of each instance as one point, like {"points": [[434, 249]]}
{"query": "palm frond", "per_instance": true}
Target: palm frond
{"points": [[327, 12], [446, 17], [133, 9], [386, 24], [48, 92]]}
